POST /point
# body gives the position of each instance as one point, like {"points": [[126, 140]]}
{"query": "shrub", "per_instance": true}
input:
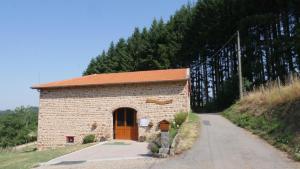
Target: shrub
{"points": [[180, 118], [187, 135], [154, 148], [89, 139], [173, 125], [154, 143], [172, 133]]}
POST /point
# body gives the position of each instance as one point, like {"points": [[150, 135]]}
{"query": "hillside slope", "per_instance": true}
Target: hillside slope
{"points": [[18, 126], [272, 112]]}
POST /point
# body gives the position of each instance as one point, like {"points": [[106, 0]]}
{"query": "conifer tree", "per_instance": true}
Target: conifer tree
{"points": [[195, 34]]}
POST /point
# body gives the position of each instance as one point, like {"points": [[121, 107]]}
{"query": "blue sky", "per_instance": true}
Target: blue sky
{"points": [[49, 40]]}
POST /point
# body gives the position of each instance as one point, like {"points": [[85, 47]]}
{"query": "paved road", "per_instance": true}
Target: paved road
{"points": [[113, 150], [221, 145]]}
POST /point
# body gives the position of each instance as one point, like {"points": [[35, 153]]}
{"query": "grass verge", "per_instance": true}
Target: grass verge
{"points": [[28, 157], [273, 113], [187, 134]]}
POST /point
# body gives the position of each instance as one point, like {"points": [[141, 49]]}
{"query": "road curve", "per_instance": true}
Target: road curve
{"points": [[223, 145]]}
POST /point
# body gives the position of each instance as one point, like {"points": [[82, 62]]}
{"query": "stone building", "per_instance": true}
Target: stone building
{"points": [[125, 105]]}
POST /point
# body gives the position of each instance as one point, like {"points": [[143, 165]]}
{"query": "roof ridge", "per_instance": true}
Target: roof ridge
{"points": [[152, 70]]}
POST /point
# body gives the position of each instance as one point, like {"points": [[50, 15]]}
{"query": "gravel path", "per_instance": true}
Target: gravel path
{"points": [[221, 145]]}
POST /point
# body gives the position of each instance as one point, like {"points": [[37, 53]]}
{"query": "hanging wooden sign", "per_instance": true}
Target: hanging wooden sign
{"points": [[159, 102]]}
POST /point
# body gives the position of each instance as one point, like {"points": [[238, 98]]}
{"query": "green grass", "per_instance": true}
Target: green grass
{"points": [[189, 118], [193, 117], [188, 133], [28, 157], [272, 125], [272, 111]]}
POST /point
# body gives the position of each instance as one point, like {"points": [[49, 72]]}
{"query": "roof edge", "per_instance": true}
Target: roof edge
{"points": [[53, 85], [107, 84]]}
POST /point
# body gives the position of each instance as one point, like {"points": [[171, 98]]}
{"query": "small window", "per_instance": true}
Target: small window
{"points": [[121, 117], [70, 139], [130, 117]]}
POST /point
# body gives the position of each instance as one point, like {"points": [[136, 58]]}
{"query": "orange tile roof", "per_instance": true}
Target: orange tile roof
{"points": [[120, 78]]}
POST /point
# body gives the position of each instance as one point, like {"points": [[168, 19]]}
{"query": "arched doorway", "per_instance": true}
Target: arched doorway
{"points": [[125, 124]]}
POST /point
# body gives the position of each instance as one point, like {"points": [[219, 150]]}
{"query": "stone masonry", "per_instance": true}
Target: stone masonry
{"points": [[72, 111]]}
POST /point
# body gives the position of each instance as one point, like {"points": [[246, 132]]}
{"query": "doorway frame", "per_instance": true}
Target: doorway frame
{"points": [[130, 132]]}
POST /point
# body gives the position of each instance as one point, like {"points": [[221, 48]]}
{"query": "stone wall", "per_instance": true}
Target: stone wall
{"points": [[72, 111]]}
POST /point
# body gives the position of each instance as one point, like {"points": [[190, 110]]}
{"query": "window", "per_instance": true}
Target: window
{"points": [[70, 139], [129, 117], [121, 117]]}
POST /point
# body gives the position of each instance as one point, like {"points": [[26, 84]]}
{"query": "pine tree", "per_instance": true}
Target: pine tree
{"points": [[195, 34]]}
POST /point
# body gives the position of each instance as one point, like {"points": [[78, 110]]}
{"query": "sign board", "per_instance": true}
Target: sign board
{"points": [[159, 102], [144, 122]]}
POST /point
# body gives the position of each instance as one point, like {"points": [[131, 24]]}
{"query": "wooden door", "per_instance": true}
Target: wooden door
{"points": [[125, 126]]}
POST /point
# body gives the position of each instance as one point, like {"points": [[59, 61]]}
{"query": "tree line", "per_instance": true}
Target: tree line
{"points": [[18, 126], [193, 37]]}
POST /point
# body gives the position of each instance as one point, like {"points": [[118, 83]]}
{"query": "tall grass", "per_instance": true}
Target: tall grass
{"points": [[272, 111], [270, 95]]}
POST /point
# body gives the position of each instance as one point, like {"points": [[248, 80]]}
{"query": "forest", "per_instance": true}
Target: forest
{"points": [[18, 126], [194, 38]]}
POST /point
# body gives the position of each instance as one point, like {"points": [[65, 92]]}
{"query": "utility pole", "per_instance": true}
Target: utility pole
{"points": [[240, 65]]}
